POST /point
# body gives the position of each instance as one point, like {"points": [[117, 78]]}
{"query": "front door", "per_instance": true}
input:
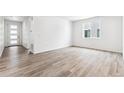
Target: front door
{"points": [[13, 33]]}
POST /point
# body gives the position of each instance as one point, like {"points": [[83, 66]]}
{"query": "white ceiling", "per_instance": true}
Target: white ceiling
{"points": [[16, 18], [71, 18], [75, 18]]}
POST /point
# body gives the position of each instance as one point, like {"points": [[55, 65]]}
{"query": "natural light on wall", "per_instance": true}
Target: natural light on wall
{"points": [[92, 29]]}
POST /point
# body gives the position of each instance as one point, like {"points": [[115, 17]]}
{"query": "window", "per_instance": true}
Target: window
{"points": [[13, 26], [13, 31], [13, 37], [13, 42], [98, 33], [91, 29], [87, 33]]}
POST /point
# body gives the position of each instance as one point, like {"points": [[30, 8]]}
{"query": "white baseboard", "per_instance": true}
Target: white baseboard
{"points": [[64, 46], [97, 49]]}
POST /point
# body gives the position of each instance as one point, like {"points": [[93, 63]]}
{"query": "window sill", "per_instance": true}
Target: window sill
{"points": [[92, 38]]}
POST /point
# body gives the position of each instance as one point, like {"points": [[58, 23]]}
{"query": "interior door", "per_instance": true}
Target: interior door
{"points": [[14, 33]]}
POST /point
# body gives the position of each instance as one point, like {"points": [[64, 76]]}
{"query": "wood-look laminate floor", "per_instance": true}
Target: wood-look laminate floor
{"points": [[71, 61]]}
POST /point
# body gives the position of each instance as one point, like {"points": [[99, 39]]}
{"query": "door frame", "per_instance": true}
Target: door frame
{"points": [[6, 23]]}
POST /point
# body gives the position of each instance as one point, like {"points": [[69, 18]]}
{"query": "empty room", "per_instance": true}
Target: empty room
{"points": [[61, 46]]}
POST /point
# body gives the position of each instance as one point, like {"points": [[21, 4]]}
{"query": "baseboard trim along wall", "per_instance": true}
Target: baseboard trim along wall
{"points": [[38, 52], [98, 49]]}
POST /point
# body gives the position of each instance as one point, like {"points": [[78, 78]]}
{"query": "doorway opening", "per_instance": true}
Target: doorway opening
{"points": [[13, 33], [18, 35], [13, 39]]}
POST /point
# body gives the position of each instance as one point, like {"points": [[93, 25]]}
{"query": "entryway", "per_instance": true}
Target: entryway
{"points": [[13, 33], [13, 39]]}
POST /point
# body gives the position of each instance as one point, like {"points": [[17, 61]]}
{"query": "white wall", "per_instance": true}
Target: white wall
{"points": [[1, 35], [25, 33], [111, 34], [123, 37], [50, 33]]}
